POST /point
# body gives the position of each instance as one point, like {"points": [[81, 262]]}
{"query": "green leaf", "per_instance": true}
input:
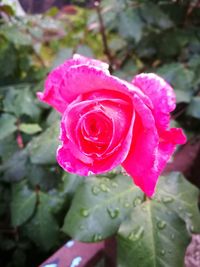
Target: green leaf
{"points": [[43, 228], [182, 197], [20, 100], [152, 236], [70, 183], [42, 149], [7, 125], [8, 146], [154, 16], [30, 128], [99, 206], [15, 168], [16, 35], [194, 107], [173, 73], [22, 204], [7, 67], [130, 25]]}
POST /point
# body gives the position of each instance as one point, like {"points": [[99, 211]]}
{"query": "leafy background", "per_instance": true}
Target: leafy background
{"points": [[41, 207]]}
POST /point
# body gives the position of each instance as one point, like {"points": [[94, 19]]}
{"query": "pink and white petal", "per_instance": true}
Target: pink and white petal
{"points": [[119, 154], [85, 79], [72, 160], [54, 82], [161, 95], [168, 142], [81, 60], [140, 162]]}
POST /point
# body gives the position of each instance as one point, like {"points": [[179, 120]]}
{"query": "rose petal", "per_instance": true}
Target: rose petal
{"points": [[150, 149], [54, 82], [140, 162], [161, 95], [73, 160]]}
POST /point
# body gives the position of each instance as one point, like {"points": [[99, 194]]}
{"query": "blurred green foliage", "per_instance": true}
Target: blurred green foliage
{"points": [[35, 194]]}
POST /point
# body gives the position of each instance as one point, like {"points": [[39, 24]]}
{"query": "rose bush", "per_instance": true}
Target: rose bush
{"points": [[107, 121]]}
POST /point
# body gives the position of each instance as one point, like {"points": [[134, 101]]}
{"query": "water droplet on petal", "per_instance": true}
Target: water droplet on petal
{"points": [[95, 190], [136, 234], [167, 199], [113, 213], [104, 188], [85, 212], [161, 224], [69, 244], [76, 262]]}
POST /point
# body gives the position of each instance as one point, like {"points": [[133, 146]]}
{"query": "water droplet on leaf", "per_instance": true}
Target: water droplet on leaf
{"points": [[95, 190], [136, 234], [85, 212], [106, 180], [113, 213], [163, 252], [126, 204], [82, 227], [104, 188], [189, 214], [97, 237], [137, 201], [167, 199], [113, 184], [161, 224]]}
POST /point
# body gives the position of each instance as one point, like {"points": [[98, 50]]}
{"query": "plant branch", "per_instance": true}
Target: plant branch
{"points": [[103, 34]]}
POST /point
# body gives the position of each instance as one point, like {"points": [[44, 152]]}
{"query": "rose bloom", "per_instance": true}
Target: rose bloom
{"points": [[107, 121]]}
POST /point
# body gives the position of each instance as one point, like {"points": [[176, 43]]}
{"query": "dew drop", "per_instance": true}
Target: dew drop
{"points": [[191, 228], [172, 236], [113, 213], [114, 184], [82, 227], [137, 201], [167, 199], [144, 208], [104, 188], [85, 212], [161, 224], [69, 244], [126, 204], [106, 180], [95, 190], [163, 252], [136, 234], [76, 262], [189, 214], [97, 237]]}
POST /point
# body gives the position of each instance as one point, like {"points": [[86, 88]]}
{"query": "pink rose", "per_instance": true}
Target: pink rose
{"points": [[107, 121]]}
